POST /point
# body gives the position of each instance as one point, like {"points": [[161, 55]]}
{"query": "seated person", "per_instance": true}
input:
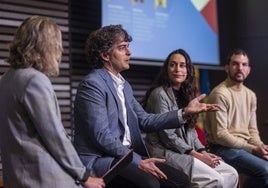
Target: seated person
{"points": [[35, 148], [109, 120], [232, 132], [173, 89]]}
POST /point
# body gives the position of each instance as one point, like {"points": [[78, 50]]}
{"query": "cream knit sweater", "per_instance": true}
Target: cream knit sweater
{"points": [[234, 125]]}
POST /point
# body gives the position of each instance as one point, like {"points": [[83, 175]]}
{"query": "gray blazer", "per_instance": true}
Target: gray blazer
{"points": [[36, 151], [99, 126], [170, 144]]}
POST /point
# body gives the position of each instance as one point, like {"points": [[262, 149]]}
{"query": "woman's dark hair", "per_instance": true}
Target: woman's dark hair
{"points": [[188, 88], [102, 41]]}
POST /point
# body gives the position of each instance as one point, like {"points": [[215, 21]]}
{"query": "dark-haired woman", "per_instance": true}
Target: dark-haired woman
{"points": [[173, 89]]}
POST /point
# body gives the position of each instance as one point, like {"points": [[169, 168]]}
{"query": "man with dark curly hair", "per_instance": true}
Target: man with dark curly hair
{"points": [[109, 120]]}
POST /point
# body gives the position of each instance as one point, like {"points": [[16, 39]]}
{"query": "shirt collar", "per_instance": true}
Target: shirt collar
{"points": [[118, 81]]}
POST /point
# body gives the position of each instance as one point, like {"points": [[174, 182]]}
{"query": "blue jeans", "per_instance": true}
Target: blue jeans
{"points": [[246, 163]]}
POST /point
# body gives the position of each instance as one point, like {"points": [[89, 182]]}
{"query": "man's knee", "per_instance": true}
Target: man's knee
{"points": [[264, 170], [150, 182]]}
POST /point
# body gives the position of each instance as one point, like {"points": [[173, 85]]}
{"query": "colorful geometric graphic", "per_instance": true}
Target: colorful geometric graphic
{"points": [[208, 10]]}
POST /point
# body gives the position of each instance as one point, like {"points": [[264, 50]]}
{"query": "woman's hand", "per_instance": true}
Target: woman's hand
{"points": [[208, 158]]}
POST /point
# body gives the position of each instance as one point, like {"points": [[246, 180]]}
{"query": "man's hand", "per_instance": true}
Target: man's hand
{"points": [[261, 151], [94, 183], [265, 155], [148, 165], [195, 106]]}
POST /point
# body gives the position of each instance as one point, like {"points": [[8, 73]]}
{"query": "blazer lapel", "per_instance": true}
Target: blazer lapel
{"points": [[109, 82], [136, 139], [135, 133]]}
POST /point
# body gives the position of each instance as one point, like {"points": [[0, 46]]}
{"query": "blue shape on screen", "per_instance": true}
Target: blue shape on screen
{"points": [[157, 31]]}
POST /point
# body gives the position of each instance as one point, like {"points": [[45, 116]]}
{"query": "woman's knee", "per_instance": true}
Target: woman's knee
{"points": [[218, 180]]}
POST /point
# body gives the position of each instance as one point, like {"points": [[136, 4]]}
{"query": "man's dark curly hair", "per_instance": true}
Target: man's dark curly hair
{"points": [[102, 41], [236, 51]]}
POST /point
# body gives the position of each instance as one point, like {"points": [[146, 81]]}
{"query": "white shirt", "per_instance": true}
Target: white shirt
{"points": [[119, 86]]}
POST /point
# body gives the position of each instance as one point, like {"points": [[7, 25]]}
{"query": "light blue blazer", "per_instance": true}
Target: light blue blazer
{"points": [[99, 126]]}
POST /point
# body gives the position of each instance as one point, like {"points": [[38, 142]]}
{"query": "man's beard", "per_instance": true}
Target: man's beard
{"points": [[234, 78]]}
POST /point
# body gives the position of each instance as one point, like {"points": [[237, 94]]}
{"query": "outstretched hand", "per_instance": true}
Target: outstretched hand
{"points": [[148, 165], [195, 107]]}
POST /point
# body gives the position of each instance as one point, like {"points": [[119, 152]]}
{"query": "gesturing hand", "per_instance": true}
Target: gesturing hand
{"points": [[195, 106], [148, 165]]}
